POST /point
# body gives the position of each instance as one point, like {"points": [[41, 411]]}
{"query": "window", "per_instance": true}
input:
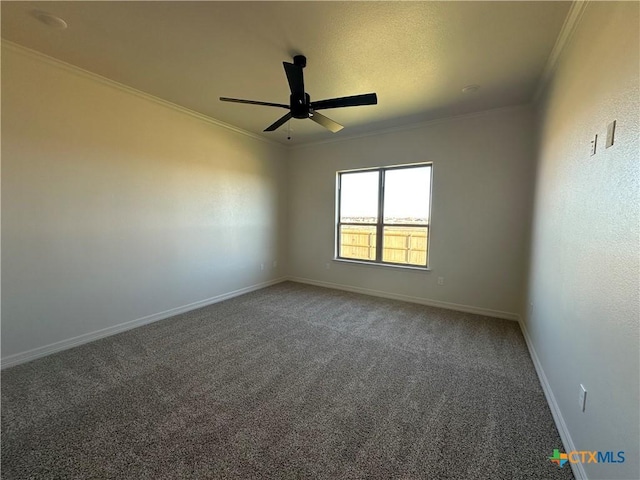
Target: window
{"points": [[383, 215]]}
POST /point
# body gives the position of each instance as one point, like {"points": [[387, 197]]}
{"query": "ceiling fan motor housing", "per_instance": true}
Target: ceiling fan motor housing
{"points": [[300, 105]]}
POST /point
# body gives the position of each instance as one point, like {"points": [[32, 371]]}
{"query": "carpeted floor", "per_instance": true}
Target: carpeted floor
{"points": [[292, 381]]}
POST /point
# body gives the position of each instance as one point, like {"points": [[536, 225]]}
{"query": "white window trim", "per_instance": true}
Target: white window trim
{"points": [[380, 223]]}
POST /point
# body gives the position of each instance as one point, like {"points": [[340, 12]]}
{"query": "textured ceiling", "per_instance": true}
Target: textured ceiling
{"points": [[416, 56]]}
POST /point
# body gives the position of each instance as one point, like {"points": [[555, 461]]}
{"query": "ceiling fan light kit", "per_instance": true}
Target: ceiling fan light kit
{"points": [[300, 104]]}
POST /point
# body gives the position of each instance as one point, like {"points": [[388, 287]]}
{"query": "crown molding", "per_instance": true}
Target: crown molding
{"points": [[571, 21], [34, 54], [414, 126]]}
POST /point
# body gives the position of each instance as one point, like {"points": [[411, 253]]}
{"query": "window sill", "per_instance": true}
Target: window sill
{"points": [[384, 265]]}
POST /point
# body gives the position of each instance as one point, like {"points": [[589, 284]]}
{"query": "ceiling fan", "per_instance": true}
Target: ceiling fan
{"points": [[301, 105]]}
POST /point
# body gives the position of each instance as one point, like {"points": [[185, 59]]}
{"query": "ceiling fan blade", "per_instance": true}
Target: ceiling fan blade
{"points": [[295, 78], [353, 101], [281, 121], [253, 102], [326, 122]]}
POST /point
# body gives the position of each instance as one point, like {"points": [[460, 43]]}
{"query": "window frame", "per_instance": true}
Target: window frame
{"points": [[380, 224]]}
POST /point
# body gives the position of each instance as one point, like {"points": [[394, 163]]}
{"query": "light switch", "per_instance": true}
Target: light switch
{"points": [[583, 398], [611, 131], [594, 142]]}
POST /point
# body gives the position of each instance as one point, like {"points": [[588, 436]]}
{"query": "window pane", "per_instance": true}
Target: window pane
{"points": [[358, 242], [407, 245], [406, 195], [359, 197]]}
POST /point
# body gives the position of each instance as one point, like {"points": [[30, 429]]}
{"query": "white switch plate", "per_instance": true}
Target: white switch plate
{"points": [[611, 131], [594, 143], [583, 398], [440, 281]]}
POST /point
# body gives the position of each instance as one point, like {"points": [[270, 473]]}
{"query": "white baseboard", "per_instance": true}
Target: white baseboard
{"points": [[563, 430], [406, 298], [565, 436], [39, 352]]}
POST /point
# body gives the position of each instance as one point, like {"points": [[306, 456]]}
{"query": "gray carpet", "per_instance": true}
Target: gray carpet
{"points": [[292, 381]]}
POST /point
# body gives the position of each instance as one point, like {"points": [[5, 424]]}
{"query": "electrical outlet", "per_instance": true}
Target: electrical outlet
{"points": [[594, 143], [583, 398], [441, 281]]}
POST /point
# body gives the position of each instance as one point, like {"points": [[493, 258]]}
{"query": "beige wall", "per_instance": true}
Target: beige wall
{"points": [[482, 171], [115, 207], [584, 281]]}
